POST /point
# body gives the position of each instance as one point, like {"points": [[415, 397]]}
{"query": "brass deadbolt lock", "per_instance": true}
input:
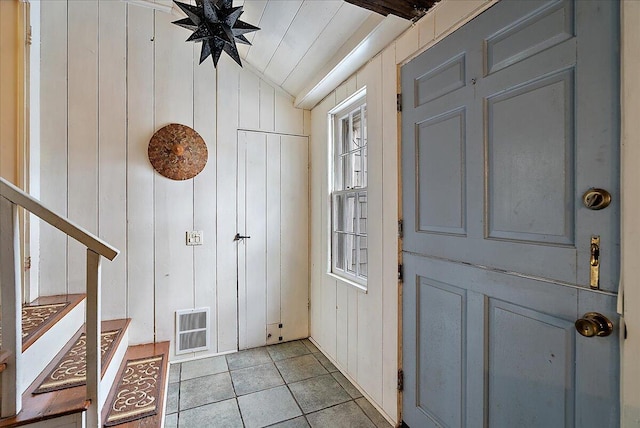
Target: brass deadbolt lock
{"points": [[594, 324], [596, 199]]}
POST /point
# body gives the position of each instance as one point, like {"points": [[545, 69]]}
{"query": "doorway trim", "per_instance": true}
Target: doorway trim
{"points": [[629, 298]]}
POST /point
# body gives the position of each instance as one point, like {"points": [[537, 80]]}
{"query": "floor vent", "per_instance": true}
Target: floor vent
{"points": [[192, 330]]}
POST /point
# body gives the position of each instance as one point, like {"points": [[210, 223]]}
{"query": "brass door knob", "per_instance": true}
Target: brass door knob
{"points": [[594, 324]]}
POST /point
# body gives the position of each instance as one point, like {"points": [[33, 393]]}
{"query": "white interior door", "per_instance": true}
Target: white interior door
{"points": [[273, 208]]}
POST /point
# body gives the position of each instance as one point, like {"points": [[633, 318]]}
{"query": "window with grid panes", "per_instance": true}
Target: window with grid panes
{"points": [[349, 195]]}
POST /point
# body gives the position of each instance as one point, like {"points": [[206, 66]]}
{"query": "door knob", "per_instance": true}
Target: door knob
{"points": [[594, 324]]}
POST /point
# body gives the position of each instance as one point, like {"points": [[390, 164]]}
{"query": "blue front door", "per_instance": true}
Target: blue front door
{"points": [[505, 124]]}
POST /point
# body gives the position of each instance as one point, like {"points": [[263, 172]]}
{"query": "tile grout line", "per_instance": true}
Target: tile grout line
{"points": [[287, 384]]}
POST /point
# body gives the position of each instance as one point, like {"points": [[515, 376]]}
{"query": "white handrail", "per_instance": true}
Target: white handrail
{"points": [[10, 198], [36, 207], [10, 295]]}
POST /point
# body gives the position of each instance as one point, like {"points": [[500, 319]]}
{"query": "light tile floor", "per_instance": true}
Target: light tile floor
{"points": [[290, 385]]}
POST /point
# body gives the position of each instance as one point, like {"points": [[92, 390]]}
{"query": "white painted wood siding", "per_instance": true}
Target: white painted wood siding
{"points": [[106, 88], [360, 331], [53, 154]]}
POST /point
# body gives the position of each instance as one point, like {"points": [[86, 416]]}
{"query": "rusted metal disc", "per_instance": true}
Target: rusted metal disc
{"points": [[178, 152]]}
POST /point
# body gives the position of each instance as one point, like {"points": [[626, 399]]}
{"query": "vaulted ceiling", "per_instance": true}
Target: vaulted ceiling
{"points": [[307, 47]]}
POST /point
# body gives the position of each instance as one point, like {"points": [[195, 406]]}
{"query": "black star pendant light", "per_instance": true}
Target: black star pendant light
{"points": [[216, 24]]}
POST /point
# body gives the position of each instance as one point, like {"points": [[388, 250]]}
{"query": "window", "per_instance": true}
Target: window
{"points": [[349, 191]]}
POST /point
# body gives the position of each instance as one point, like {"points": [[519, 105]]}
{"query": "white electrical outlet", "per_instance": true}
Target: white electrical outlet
{"points": [[194, 237]]}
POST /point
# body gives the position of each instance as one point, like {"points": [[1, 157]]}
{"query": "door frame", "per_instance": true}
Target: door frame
{"points": [[629, 298], [16, 16]]}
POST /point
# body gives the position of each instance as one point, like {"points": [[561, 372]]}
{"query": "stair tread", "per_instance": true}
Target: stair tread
{"points": [[47, 405], [42, 327], [142, 351], [73, 299]]}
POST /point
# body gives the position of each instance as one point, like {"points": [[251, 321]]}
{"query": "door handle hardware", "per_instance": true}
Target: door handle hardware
{"points": [[594, 324], [596, 199], [594, 277], [239, 237]]}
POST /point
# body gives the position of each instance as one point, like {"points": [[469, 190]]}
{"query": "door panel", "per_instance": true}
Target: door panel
{"points": [[530, 186], [272, 264], [536, 95], [529, 372], [506, 123], [542, 28], [510, 344], [440, 169], [441, 329]]}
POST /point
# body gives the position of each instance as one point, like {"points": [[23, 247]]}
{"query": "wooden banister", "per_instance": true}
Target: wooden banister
{"points": [[10, 280]]}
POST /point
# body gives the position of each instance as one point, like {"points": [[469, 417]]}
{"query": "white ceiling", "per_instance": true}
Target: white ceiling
{"points": [[296, 37], [308, 47]]}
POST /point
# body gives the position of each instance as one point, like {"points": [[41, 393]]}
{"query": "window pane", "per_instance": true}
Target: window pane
{"points": [[362, 205], [338, 250], [352, 170], [337, 174], [364, 167], [345, 146], [349, 213], [357, 138], [338, 209], [346, 169], [350, 250], [362, 262]]}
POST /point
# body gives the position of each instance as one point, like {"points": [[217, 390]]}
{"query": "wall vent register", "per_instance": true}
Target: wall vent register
{"points": [[192, 330]]}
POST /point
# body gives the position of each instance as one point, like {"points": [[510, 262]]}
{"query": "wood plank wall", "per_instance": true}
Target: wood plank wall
{"points": [[112, 74], [359, 331], [354, 328]]}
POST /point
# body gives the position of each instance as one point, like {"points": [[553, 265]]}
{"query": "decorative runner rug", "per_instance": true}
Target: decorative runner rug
{"points": [[35, 317], [71, 370], [138, 391]]}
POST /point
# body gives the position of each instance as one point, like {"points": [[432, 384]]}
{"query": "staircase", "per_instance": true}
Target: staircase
{"points": [[61, 365]]}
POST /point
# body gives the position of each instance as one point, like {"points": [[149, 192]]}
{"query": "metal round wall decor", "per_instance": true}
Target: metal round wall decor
{"points": [[177, 152]]}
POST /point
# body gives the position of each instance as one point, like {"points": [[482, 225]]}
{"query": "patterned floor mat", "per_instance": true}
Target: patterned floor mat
{"points": [[71, 370], [138, 391], [35, 317]]}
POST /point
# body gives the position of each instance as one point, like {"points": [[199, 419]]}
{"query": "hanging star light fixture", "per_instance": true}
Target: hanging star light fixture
{"points": [[215, 24]]}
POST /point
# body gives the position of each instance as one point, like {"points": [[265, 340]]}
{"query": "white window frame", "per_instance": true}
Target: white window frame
{"points": [[344, 110]]}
